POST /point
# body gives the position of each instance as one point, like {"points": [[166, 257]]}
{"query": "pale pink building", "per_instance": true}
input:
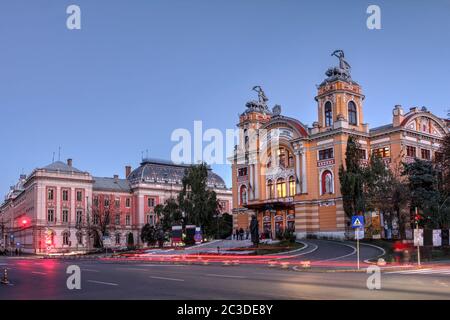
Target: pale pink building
{"points": [[47, 210]]}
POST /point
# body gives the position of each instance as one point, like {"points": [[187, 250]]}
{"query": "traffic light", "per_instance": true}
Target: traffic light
{"points": [[24, 222], [417, 217]]}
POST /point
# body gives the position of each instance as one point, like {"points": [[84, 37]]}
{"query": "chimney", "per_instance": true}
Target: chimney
{"points": [[69, 162], [127, 171], [398, 115], [116, 177]]}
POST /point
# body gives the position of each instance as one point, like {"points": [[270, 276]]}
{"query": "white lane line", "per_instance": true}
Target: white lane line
{"points": [[344, 256], [305, 245], [90, 270], [101, 282], [132, 269], [410, 271], [299, 254], [41, 273], [160, 265], [224, 276], [377, 247], [164, 278]]}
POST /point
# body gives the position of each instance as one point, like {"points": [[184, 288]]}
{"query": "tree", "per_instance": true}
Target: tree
{"points": [[148, 234], [197, 201], [422, 180], [351, 178]]}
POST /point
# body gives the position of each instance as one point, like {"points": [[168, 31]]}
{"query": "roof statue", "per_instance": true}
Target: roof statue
{"points": [[259, 105], [341, 72]]}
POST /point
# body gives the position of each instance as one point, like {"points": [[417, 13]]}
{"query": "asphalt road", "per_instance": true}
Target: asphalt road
{"points": [[46, 279]]}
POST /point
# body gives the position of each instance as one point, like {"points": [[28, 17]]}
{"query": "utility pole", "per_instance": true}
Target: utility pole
{"points": [[418, 242]]}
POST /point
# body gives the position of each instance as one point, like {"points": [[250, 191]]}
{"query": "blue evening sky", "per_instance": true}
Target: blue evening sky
{"points": [[140, 69]]}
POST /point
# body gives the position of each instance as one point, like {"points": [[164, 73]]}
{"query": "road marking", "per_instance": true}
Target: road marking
{"points": [[427, 271], [344, 256], [101, 282], [41, 273], [90, 270], [224, 276], [132, 269], [160, 265], [163, 278]]}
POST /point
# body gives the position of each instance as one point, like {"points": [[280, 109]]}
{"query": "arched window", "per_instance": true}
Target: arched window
{"points": [[291, 186], [80, 238], [352, 113], [328, 114], [65, 238], [282, 154], [327, 182], [243, 195], [281, 188], [117, 238], [270, 189]]}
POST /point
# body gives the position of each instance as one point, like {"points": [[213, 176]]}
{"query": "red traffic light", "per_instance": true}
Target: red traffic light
{"points": [[417, 217], [24, 222]]}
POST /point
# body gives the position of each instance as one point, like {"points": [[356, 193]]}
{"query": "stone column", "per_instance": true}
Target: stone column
{"points": [[304, 175], [297, 172]]}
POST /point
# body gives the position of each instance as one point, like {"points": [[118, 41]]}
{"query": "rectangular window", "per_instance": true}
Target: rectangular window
{"points": [[106, 202], [426, 154], [151, 202], [382, 152], [95, 202], [326, 154], [128, 220], [411, 151], [65, 195], [242, 172], [79, 196], [50, 194], [50, 215], [79, 216], [117, 219], [65, 216], [127, 203], [361, 154], [117, 203]]}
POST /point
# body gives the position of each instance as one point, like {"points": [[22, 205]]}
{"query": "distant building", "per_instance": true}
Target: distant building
{"points": [[297, 186], [47, 211]]}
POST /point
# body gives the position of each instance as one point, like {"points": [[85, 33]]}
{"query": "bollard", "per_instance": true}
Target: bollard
{"points": [[284, 265], [226, 263], [5, 277], [205, 262], [235, 262]]}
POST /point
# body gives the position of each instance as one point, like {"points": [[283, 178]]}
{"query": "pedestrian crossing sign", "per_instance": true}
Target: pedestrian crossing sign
{"points": [[357, 221]]}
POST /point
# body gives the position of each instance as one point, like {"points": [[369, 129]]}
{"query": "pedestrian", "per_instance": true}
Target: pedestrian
{"points": [[237, 233], [247, 233]]}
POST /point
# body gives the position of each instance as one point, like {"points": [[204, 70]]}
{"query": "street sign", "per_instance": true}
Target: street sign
{"points": [[437, 238], [198, 235], [418, 237], [106, 241], [359, 233], [358, 222]]}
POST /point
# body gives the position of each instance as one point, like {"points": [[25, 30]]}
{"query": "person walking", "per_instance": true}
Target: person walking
{"points": [[241, 234], [247, 233]]}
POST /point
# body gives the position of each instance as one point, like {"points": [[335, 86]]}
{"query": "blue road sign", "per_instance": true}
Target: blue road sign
{"points": [[358, 222]]}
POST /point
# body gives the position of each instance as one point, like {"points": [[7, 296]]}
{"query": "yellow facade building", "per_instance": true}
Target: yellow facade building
{"points": [[286, 173]]}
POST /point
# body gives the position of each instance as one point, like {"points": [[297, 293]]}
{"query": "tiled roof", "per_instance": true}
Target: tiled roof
{"points": [[382, 128], [111, 184], [60, 166]]}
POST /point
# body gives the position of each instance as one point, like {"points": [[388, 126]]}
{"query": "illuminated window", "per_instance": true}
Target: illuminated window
{"points": [[270, 189], [327, 182], [291, 186], [282, 157], [243, 194], [328, 114], [382, 152], [281, 188], [352, 119]]}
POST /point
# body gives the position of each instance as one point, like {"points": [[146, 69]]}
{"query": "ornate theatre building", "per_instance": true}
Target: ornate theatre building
{"points": [[286, 173], [52, 209]]}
